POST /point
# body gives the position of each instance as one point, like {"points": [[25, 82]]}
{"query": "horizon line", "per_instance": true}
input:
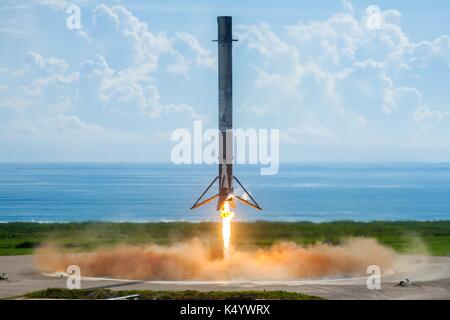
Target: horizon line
{"points": [[204, 164]]}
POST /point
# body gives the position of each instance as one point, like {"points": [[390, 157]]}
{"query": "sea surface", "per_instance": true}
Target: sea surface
{"points": [[164, 192]]}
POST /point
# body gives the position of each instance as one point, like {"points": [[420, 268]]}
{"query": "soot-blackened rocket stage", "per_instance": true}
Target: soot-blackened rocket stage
{"points": [[225, 175]]}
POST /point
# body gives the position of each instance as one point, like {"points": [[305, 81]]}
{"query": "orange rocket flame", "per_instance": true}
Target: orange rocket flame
{"points": [[227, 215]]}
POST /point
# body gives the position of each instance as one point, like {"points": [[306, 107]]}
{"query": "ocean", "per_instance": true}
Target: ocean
{"points": [[139, 192]]}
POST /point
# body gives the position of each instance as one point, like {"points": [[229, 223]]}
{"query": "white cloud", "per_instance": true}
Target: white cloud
{"points": [[15, 103], [132, 83], [364, 75], [48, 119], [281, 67], [204, 57], [67, 124], [131, 87], [48, 65], [424, 113], [135, 85], [41, 99], [181, 65], [47, 72], [347, 6], [330, 80], [146, 45]]}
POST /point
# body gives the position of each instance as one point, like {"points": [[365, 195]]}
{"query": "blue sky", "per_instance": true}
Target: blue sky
{"points": [[136, 70]]}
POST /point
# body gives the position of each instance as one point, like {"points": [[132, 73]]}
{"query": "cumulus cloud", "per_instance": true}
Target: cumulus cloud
{"points": [[117, 73], [44, 88], [47, 72], [46, 127], [425, 113], [49, 65], [331, 80], [204, 57], [135, 85], [363, 74], [42, 108], [130, 87], [41, 116], [42, 82], [147, 46]]}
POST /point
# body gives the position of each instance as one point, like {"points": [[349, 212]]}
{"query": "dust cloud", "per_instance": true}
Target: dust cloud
{"points": [[195, 260]]}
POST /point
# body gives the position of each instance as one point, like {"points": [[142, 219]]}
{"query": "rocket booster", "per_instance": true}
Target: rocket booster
{"points": [[225, 175]]}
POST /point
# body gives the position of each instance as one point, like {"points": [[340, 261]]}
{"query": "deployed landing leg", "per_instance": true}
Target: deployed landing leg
{"points": [[197, 204]]}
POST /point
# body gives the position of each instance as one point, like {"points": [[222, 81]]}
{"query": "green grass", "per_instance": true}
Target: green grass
{"points": [[404, 237], [56, 293]]}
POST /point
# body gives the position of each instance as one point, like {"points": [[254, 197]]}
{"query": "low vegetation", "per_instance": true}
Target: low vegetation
{"points": [[90, 294], [405, 237]]}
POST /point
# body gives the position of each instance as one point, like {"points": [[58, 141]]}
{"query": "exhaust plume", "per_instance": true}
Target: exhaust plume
{"points": [[193, 260]]}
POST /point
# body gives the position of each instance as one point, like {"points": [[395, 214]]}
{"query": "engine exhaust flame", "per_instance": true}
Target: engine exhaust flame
{"points": [[227, 215]]}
